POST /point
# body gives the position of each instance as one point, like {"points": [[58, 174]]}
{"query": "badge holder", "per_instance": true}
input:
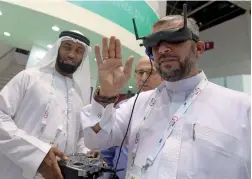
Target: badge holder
{"points": [[134, 173]]}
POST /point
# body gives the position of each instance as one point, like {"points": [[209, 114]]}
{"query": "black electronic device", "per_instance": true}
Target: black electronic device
{"points": [[83, 166], [171, 36]]}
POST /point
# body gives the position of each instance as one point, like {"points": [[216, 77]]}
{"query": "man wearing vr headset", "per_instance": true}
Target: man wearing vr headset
{"points": [[186, 128]]}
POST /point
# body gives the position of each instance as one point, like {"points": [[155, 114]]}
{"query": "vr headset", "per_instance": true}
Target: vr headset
{"points": [[171, 36]]}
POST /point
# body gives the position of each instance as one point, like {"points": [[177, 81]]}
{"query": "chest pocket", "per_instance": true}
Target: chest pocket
{"points": [[215, 155]]}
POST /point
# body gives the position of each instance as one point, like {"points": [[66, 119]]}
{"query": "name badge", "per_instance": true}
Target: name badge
{"points": [[131, 175], [135, 173]]}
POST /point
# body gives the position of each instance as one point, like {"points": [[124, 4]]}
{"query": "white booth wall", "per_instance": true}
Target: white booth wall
{"points": [[229, 63]]}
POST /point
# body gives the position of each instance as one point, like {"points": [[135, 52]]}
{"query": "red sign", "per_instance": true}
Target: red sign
{"points": [[209, 45]]}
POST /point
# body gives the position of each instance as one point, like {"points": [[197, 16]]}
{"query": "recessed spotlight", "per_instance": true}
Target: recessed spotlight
{"points": [[1, 13], [49, 46], [55, 28], [7, 34], [130, 86]]}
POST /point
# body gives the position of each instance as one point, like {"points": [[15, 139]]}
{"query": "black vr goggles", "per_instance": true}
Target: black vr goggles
{"points": [[170, 36]]}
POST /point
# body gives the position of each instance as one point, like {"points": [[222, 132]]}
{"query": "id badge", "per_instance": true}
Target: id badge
{"points": [[132, 175]]}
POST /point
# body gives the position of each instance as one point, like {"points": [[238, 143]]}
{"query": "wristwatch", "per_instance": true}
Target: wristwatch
{"points": [[104, 101]]}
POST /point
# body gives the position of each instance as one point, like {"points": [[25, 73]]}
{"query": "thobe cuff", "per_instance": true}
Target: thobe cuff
{"points": [[92, 136], [96, 113], [31, 168], [34, 159], [106, 120]]}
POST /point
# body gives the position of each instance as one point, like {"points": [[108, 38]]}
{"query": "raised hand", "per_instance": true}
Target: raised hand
{"points": [[111, 73]]}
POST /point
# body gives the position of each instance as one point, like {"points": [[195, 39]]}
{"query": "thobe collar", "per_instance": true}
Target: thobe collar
{"points": [[185, 84]]}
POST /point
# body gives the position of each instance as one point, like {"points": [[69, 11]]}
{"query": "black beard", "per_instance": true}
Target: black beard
{"points": [[66, 68], [179, 73]]}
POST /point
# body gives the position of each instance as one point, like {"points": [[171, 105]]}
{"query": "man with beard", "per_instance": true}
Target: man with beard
{"points": [[187, 127], [38, 111]]}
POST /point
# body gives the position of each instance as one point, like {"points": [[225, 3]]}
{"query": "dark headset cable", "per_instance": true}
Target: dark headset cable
{"points": [[114, 176]]}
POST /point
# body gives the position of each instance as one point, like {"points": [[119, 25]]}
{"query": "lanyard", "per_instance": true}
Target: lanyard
{"points": [[49, 103], [171, 125]]}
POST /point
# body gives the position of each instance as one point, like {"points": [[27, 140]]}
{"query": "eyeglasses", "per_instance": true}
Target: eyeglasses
{"points": [[148, 72]]}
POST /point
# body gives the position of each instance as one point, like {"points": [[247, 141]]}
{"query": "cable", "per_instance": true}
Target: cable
{"points": [[114, 176]]}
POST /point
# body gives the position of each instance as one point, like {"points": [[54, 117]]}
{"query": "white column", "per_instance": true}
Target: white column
{"points": [[239, 83], [36, 54], [159, 7]]}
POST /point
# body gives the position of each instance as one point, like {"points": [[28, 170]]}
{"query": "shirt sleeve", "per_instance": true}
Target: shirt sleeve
{"points": [[108, 156], [113, 122], [24, 150]]}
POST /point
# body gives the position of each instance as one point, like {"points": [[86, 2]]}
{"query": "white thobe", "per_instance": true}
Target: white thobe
{"points": [[22, 106], [214, 132]]}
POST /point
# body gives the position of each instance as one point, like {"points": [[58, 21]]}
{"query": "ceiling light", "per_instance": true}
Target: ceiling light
{"points": [[55, 28], [7, 34], [95, 59], [130, 86], [49, 46], [1, 13]]}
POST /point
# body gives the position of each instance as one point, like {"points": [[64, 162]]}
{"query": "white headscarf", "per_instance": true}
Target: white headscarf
{"points": [[81, 77]]}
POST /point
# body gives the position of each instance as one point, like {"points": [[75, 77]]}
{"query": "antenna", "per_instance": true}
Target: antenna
{"points": [[135, 29], [185, 14]]}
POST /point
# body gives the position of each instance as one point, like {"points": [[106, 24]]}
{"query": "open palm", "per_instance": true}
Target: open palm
{"points": [[111, 73]]}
